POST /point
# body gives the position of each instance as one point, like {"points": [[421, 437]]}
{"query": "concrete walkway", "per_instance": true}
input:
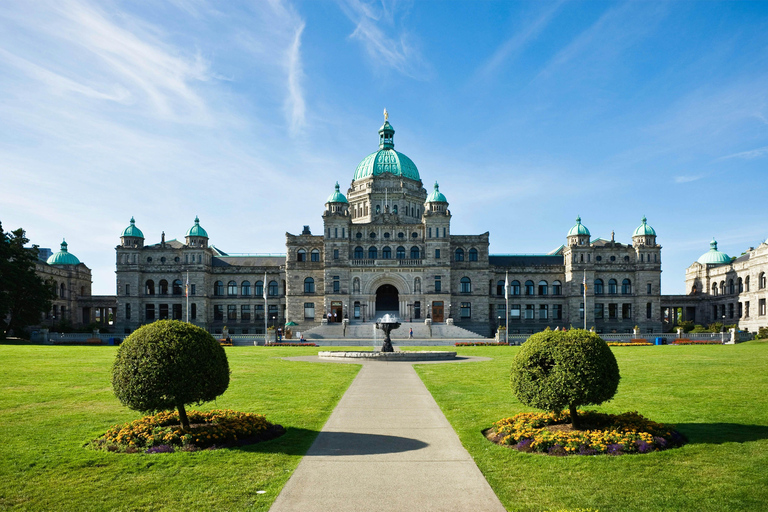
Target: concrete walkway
{"points": [[387, 446]]}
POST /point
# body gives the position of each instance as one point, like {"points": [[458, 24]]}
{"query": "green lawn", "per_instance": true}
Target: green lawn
{"points": [[715, 394], [55, 399]]}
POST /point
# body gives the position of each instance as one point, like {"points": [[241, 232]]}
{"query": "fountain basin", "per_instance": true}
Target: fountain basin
{"points": [[423, 355]]}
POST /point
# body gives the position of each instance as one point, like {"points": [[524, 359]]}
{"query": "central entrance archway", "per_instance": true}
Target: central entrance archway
{"points": [[387, 299]]}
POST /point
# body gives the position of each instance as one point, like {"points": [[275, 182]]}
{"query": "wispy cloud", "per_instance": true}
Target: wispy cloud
{"points": [[748, 155], [686, 179], [295, 101], [396, 49]]}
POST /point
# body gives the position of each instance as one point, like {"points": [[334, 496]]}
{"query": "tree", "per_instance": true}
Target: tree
{"points": [[558, 369], [169, 364], [24, 296]]}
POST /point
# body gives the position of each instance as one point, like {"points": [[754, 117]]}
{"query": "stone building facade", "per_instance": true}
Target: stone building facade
{"points": [[387, 247]]}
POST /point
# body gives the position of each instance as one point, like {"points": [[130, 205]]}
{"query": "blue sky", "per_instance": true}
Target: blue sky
{"points": [[247, 113]]}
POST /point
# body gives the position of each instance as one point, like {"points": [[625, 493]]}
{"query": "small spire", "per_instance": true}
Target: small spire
{"points": [[713, 244], [437, 187], [578, 219], [132, 220], [197, 220], [613, 236], [644, 219], [63, 245], [337, 183], [386, 115]]}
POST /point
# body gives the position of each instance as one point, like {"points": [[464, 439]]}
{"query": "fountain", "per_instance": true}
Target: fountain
{"points": [[386, 324]]}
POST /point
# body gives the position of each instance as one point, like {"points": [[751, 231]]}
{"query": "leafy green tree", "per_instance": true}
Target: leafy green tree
{"points": [[169, 364], [558, 369], [24, 296]]}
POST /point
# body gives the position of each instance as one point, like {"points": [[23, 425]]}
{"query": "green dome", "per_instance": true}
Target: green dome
{"points": [[337, 197], [132, 230], [713, 256], [579, 228], [197, 230], [63, 257], [436, 196], [644, 229], [386, 159]]}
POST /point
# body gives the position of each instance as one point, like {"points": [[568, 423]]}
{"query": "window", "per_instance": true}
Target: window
{"points": [[373, 253], [245, 312], [466, 285], [598, 311], [127, 290], [466, 310], [746, 284], [438, 284], [612, 287], [193, 311], [499, 288], [357, 309], [149, 287], [218, 289], [626, 287], [557, 288], [127, 311], [163, 313], [309, 310], [599, 287], [163, 287], [176, 312], [245, 288], [231, 288], [386, 253], [714, 288], [529, 287], [415, 253], [314, 255], [722, 287], [336, 284], [741, 309], [761, 306], [529, 311], [746, 309], [514, 312], [301, 255], [731, 287], [429, 232], [459, 255], [741, 285], [394, 209], [761, 282], [514, 288], [400, 253], [649, 310], [437, 254], [543, 287], [231, 312], [557, 312], [359, 253], [335, 254], [730, 310], [649, 288], [473, 254], [626, 311], [543, 311], [417, 309], [149, 312], [612, 311], [309, 285], [272, 289], [581, 310], [259, 289]]}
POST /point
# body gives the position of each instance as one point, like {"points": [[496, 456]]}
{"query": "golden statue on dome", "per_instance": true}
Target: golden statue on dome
{"points": [[386, 115]]}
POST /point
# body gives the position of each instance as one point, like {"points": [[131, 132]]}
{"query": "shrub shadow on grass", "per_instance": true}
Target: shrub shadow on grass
{"points": [[297, 441], [719, 433]]}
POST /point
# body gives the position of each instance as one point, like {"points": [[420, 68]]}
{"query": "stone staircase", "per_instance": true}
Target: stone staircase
{"points": [[358, 330]]}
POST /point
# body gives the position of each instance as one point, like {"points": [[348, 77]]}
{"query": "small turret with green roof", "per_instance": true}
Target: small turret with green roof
{"points": [[132, 236], [436, 196], [578, 228], [196, 236], [644, 234], [713, 256], [337, 196], [63, 257], [386, 159]]}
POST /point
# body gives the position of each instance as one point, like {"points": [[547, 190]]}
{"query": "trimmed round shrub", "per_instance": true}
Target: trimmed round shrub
{"points": [[169, 364], [564, 369]]}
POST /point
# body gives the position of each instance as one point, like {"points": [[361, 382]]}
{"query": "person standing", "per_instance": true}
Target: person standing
{"points": [[410, 333]]}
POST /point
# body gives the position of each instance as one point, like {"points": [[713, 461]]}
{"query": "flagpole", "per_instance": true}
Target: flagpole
{"points": [[584, 286], [266, 308], [506, 297], [186, 292]]}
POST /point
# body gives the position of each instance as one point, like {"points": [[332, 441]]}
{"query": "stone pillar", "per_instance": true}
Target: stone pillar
{"points": [[732, 336], [679, 332]]}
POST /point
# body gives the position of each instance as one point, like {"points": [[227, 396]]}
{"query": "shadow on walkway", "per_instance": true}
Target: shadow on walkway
{"points": [[351, 443], [719, 433]]}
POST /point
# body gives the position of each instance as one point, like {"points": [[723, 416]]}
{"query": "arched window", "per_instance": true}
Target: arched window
{"points": [[741, 285], [473, 254], [459, 255], [731, 288], [301, 255], [373, 253], [177, 287], [231, 288], [557, 288], [356, 285], [500, 288], [543, 288], [259, 289], [599, 287], [62, 291], [714, 290], [149, 287], [417, 285], [394, 209], [245, 288], [722, 287], [466, 285], [163, 285], [612, 287], [309, 285], [314, 255], [514, 288], [626, 287], [272, 290], [386, 253], [400, 254], [529, 287], [218, 288], [415, 253], [761, 282], [746, 284], [359, 253]]}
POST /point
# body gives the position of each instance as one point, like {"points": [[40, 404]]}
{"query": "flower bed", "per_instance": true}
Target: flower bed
{"points": [[610, 434], [162, 432], [290, 344], [633, 343], [684, 341], [479, 343]]}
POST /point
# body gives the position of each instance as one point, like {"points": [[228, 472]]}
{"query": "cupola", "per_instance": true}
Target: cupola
{"points": [[644, 234], [386, 159], [132, 236], [578, 234], [436, 201], [336, 202], [63, 257], [713, 256], [196, 236]]}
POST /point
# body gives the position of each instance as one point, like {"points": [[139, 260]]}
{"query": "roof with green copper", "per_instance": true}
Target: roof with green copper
{"points": [[579, 228], [132, 230], [436, 196], [644, 229], [386, 159], [63, 257], [197, 230], [713, 256], [337, 197]]}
